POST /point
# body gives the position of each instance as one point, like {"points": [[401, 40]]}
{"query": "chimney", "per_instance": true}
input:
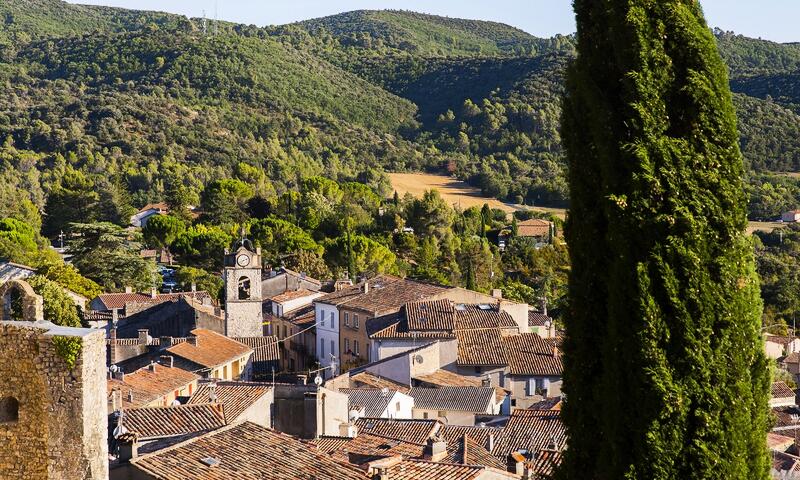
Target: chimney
{"points": [[116, 401], [491, 442], [348, 430], [128, 289], [130, 396], [152, 367], [435, 449], [365, 287], [128, 447], [381, 473], [119, 375], [114, 317], [497, 293], [164, 343], [167, 360], [192, 340], [153, 293], [194, 287], [143, 337], [112, 345]]}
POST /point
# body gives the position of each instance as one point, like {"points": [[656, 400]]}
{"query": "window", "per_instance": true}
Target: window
{"points": [[477, 370], [244, 288], [322, 348], [333, 325], [425, 415], [397, 406], [322, 318], [355, 346], [355, 320], [346, 344], [9, 410], [333, 348], [347, 319]]}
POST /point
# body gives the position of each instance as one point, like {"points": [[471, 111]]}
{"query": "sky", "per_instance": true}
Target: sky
{"points": [[769, 19]]}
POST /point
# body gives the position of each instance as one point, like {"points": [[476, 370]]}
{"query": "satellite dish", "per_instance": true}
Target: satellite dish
{"points": [[113, 369], [176, 403], [418, 359], [318, 380], [119, 430], [385, 391]]}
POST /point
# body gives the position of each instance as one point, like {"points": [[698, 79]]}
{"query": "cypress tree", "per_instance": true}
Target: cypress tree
{"points": [[664, 372]]}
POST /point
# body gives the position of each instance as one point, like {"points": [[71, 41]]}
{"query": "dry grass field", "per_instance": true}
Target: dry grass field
{"points": [[459, 194], [455, 192]]}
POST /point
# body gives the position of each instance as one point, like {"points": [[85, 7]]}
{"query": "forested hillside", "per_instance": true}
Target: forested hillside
{"points": [[139, 101]]}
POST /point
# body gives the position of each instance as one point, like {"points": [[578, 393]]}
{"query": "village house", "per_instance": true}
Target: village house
{"points": [[456, 405], [342, 316], [242, 401], [212, 355], [777, 346], [156, 427], [792, 216], [277, 281], [781, 395], [157, 384], [297, 334], [379, 403]]}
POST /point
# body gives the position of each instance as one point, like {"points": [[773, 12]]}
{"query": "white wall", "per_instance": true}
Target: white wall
{"points": [[405, 409], [280, 309], [327, 333]]}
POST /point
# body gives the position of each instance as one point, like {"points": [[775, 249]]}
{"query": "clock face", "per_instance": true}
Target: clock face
{"points": [[243, 260]]}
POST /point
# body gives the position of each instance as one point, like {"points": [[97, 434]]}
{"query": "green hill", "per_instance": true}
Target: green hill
{"points": [[421, 34]]}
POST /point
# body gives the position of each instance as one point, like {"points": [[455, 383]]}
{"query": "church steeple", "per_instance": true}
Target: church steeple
{"points": [[243, 298]]}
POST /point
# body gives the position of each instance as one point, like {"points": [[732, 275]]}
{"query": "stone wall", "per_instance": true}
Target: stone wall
{"points": [[60, 430]]}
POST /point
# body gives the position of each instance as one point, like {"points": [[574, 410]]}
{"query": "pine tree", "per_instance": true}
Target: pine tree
{"points": [[664, 373]]}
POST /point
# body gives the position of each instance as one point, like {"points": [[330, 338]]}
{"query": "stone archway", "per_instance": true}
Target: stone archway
{"points": [[31, 303]]}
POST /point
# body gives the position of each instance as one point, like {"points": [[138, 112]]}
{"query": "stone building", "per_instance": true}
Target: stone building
{"points": [[243, 305], [52, 396]]}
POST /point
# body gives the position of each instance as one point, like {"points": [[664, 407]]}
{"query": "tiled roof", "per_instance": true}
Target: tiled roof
{"points": [[786, 417], [149, 384], [385, 294], [781, 390], [480, 347], [524, 353], [780, 339], [430, 315], [368, 379], [119, 300], [160, 206], [368, 445], [553, 403], [158, 422], [462, 399], [423, 470], [292, 295], [373, 400], [212, 349], [534, 227], [784, 462], [483, 315], [236, 396], [531, 430], [445, 378], [529, 354], [473, 453], [266, 352], [414, 431], [480, 435], [302, 317], [792, 358], [776, 441], [544, 464], [536, 319], [244, 452]]}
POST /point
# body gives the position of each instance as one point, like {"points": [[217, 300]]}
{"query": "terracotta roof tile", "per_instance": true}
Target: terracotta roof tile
{"points": [[368, 379], [534, 227], [430, 315], [414, 431], [150, 383], [235, 396], [776, 441], [244, 452], [473, 453], [483, 315], [536, 319], [385, 294], [368, 445], [445, 378], [529, 354], [480, 347], [463, 399], [158, 422], [780, 339], [531, 430], [293, 295], [781, 390], [212, 349], [423, 470], [119, 300], [544, 463]]}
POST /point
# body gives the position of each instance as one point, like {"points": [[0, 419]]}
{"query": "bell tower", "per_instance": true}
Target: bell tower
{"points": [[243, 314]]}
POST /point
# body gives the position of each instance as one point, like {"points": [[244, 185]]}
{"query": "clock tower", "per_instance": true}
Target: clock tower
{"points": [[243, 314]]}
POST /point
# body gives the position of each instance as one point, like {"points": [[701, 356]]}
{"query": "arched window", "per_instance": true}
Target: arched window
{"points": [[244, 288], [9, 410]]}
